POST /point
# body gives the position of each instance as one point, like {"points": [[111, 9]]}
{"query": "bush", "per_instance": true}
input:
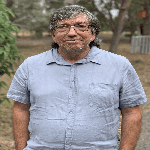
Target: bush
{"points": [[8, 48], [138, 60], [129, 34]]}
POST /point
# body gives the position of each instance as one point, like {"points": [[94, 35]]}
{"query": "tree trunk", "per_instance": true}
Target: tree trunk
{"points": [[133, 28], [146, 24], [139, 31], [119, 25]]}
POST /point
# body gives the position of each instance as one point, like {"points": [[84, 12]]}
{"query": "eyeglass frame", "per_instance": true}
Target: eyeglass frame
{"points": [[74, 29]]}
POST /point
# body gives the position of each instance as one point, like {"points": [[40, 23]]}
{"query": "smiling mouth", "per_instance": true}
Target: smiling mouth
{"points": [[71, 41]]}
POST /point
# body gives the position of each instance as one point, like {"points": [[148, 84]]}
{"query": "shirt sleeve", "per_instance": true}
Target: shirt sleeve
{"points": [[18, 90], [132, 92]]}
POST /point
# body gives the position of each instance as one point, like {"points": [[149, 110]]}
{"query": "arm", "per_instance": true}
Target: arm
{"points": [[21, 119], [130, 127]]}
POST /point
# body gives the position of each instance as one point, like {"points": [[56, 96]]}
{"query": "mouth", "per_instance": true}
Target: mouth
{"points": [[71, 41]]}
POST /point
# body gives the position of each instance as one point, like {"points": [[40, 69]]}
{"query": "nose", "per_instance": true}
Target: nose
{"points": [[72, 31]]}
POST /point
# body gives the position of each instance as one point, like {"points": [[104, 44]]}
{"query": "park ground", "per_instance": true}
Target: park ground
{"points": [[140, 62]]}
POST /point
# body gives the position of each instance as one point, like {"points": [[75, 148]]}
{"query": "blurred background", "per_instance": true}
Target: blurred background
{"points": [[32, 17]]}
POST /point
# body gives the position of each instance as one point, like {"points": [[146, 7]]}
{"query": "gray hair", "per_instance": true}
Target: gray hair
{"points": [[72, 11]]}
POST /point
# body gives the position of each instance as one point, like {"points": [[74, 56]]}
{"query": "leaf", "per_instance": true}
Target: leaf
{"points": [[3, 83], [13, 46], [1, 52], [2, 2], [4, 98], [14, 28], [6, 17], [2, 19], [7, 99], [22, 57], [13, 72], [10, 65], [1, 40], [7, 48], [8, 22], [7, 72], [10, 11], [5, 55], [11, 41], [2, 35], [14, 63]]}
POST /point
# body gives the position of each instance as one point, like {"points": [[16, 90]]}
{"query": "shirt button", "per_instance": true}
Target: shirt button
{"points": [[70, 96]]}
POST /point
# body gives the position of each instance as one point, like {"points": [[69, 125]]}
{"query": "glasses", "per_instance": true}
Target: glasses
{"points": [[77, 27]]}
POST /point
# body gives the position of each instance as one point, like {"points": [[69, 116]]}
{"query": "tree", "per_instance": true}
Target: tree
{"points": [[133, 21], [146, 24], [104, 9], [101, 17], [119, 25], [30, 16], [8, 48]]}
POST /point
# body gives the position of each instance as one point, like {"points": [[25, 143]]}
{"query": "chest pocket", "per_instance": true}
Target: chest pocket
{"points": [[101, 95]]}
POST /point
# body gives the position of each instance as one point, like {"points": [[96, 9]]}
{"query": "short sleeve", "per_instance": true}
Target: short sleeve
{"points": [[132, 92], [18, 90]]}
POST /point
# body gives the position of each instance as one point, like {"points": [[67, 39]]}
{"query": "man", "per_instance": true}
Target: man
{"points": [[76, 91]]}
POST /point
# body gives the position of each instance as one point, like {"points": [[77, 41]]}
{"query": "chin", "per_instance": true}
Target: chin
{"points": [[72, 48]]}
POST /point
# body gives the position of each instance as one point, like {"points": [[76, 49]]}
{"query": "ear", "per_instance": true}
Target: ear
{"points": [[93, 37], [53, 35]]}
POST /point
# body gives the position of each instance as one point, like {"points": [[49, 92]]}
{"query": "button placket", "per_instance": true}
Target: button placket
{"points": [[71, 110]]}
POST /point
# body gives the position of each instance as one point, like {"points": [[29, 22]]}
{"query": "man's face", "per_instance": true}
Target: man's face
{"points": [[74, 42]]}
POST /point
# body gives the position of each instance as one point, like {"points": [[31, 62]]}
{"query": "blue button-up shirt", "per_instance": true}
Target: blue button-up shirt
{"points": [[76, 106]]}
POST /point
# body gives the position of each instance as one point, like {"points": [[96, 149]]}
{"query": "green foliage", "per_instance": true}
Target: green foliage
{"points": [[91, 8], [133, 20], [129, 34], [58, 4], [138, 60], [29, 14], [8, 48]]}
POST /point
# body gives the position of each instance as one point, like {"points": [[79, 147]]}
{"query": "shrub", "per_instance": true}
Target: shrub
{"points": [[129, 34], [8, 48], [138, 60]]}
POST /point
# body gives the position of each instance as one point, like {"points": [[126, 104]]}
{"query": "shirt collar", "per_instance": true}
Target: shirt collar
{"points": [[54, 57]]}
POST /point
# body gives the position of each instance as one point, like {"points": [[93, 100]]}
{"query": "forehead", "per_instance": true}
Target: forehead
{"points": [[80, 18]]}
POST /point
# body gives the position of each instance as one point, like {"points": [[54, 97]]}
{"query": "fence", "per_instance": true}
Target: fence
{"points": [[140, 44]]}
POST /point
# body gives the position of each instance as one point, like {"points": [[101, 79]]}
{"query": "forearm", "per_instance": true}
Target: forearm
{"points": [[130, 131], [20, 129]]}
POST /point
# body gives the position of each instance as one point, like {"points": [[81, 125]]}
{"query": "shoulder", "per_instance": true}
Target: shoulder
{"points": [[38, 57], [115, 60], [38, 60]]}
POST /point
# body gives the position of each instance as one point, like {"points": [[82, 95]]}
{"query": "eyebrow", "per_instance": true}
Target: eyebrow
{"points": [[75, 23]]}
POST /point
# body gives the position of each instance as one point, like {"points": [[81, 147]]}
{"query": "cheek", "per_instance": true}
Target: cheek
{"points": [[87, 36], [59, 38], [87, 39]]}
